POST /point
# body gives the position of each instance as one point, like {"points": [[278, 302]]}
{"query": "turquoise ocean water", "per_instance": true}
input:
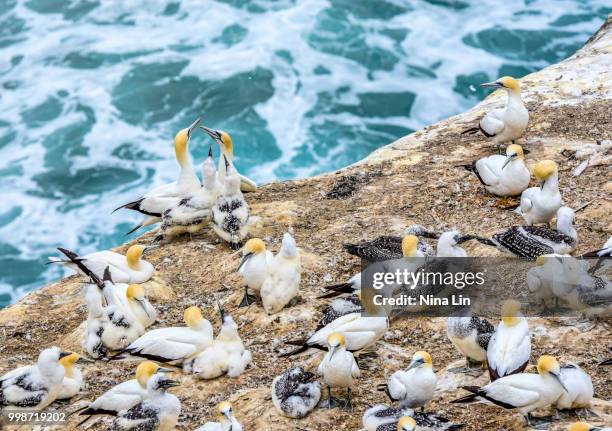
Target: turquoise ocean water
{"points": [[92, 93]]}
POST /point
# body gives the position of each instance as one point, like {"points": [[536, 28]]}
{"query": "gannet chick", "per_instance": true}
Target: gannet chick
{"points": [[338, 369], [529, 242], [510, 346], [158, 411], [227, 150], [583, 426], [73, 378], [525, 391], [173, 345], [541, 278], [390, 247], [253, 268], [227, 420], [447, 244], [383, 418], [579, 388], [339, 307], [540, 204], [470, 335], [284, 275], [505, 124], [295, 393], [503, 175], [415, 386], [160, 198], [131, 268], [231, 212], [33, 387]]}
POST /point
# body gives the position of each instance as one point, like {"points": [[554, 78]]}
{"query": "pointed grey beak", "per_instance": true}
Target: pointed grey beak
{"points": [[169, 383], [244, 260], [558, 379], [192, 127], [333, 351], [413, 364], [142, 305], [83, 360], [227, 165], [508, 159], [64, 354], [493, 84], [212, 133]]}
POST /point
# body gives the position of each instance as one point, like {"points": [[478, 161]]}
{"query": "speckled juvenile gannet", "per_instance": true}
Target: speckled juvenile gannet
{"points": [[383, 418], [470, 335], [503, 175], [391, 247], [540, 204], [73, 378], [583, 426], [284, 274], [510, 346], [524, 392], [529, 242], [131, 268], [253, 268], [230, 214], [295, 393], [504, 124], [339, 307], [158, 411], [227, 149], [578, 385], [415, 386], [338, 369], [33, 387], [227, 420]]}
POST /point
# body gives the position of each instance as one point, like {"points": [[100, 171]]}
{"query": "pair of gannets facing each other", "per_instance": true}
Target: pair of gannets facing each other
{"points": [[296, 393], [383, 418], [540, 204], [504, 124], [502, 175], [227, 420], [338, 369], [471, 336], [583, 426]]}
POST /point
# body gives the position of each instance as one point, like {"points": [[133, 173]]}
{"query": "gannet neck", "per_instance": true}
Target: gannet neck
{"points": [[565, 221], [514, 98], [551, 184]]}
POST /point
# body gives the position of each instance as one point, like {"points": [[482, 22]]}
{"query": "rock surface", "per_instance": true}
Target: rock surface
{"points": [[410, 181]]}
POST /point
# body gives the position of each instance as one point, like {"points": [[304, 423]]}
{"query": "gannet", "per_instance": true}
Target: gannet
{"points": [[510, 346], [158, 411], [173, 345], [448, 244], [160, 198], [525, 391], [529, 242], [33, 387], [542, 276], [339, 307], [73, 378], [131, 268], [352, 286], [415, 386], [383, 418], [253, 268], [391, 247], [295, 393], [504, 124], [583, 426], [470, 335], [230, 214], [227, 420], [338, 369], [227, 150], [225, 355], [578, 385], [140, 306], [284, 274], [502, 175], [606, 250], [540, 204]]}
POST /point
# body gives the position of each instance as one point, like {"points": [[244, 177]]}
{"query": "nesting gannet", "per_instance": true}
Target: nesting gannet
{"points": [[339, 307], [470, 335], [510, 346], [529, 242], [73, 378], [540, 204], [578, 385], [391, 247], [33, 387], [173, 345], [503, 175], [230, 214], [158, 411], [140, 306], [541, 278], [227, 150], [504, 124], [338, 369], [156, 201], [415, 386], [284, 274], [583, 426], [253, 268], [525, 391], [295, 393], [227, 420], [225, 355], [131, 268], [383, 418]]}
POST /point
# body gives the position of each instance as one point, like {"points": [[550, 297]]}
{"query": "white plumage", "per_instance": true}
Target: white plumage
{"points": [[540, 204], [338, 367], [254, 267], [447, 245], [415, 386], [73, 378], [283, 280], [227, 420], [579, 388], [503, 175]]}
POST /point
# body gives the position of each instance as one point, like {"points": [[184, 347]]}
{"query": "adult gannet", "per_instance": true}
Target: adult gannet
{"points": [[157, 200], [227, 150], [140, 306], [539, 204], [73, 378], [392, 247], [131, 268], [504, 124], [525, 391], [415, 386], [253, 268], [227, 420], [578, 385], [173, 345], [503, 175], [284, 274], [338, 369], [158, 411], [470, 335], [230, 214], [510, 346], [295, 393], [529, 242], [383, 418], [583, 426], [33, 387]]}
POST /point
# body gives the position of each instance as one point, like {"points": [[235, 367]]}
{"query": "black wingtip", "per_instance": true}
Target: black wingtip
{"points": [[107, 275], [134, 230]]}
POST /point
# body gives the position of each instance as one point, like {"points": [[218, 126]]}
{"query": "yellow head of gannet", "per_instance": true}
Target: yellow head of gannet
{"points": [[514, 152], [193, 317], [181, 143], [510, 312], [406, 423], [420, 359], [224, 410], [68, 362], [409, 245], [223, 139], [133, 256], [506, 82], [135, 292], [580, 426], [544, 169], [254, 246], [549, 365], [335, 340], [145, 370]]}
